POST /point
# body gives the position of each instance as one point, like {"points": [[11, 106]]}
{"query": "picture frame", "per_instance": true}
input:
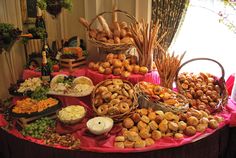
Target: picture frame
{"points": [[28, 11]]}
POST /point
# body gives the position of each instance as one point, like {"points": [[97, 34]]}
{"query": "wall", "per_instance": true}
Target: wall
{"points": [[64, 26]]}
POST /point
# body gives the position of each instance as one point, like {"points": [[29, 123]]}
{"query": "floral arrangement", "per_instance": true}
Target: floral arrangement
{"points": [[8, 35], [54, 7]]}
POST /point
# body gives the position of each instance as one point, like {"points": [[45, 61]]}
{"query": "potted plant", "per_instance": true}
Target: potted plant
{"points": [[8, 35], [54, 7]]}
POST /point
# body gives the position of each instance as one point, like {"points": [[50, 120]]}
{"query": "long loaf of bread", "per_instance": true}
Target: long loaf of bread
{"points": [[105, 26]]}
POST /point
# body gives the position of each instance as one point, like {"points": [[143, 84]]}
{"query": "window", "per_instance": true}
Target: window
{"points": [[208, 31]]}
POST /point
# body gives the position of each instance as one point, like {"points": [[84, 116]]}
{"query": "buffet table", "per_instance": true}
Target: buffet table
{"points": [[211, 143]]}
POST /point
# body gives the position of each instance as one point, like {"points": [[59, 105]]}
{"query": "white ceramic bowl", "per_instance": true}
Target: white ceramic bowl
{"points": [[100, 125]]}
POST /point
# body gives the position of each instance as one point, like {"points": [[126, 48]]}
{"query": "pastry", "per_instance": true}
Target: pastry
{"points": [[160, 113], [152, 115], [201, 127], [133, 136], [156, 135], [144, 133], [192, 121], [128, 123], [129, 144], [120, 139], [102, 109], [116, 71], [123, 107], [141, 125], [204, 120], [213, 124], [149, 141], [119, 145], [163, 126], [179, 135], [190, 131], [136, 117], [153, 125], [143, 70], [140, 143], [136, 69], [134, 129], [143, 111], [173, 126], [145, 119], [182, 125], [91, 65]]}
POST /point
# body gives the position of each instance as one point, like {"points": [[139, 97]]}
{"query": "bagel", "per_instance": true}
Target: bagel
{"points": [[123, 107], [103, 109], [118, 82]]}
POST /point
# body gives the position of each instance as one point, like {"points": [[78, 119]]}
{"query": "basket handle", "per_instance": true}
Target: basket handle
{"points": [[194, 59], [111, 12]]}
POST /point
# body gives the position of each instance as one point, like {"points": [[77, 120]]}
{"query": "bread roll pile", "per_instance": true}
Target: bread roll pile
{"points": [[202, 90], [162, 94], [116, 33], [146, 126], [119, 65]]}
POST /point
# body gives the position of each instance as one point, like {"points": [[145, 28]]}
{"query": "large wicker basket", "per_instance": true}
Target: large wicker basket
{"points": [[120, 116], [219, 81], [146, 101], [105, 45]]}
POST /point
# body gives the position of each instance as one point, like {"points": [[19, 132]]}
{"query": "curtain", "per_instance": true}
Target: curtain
{"points": [[169, 14], [11, 63]]}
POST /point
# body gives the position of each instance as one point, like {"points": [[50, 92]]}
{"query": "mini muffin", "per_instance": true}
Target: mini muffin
{"points": [[190, 131], [213, 124], [136, 117], [192, 121], [128, 123], [182, 125]]}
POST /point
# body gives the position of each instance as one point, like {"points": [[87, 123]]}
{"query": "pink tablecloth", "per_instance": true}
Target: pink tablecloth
{"points": [[105, 143], [97, 77]]}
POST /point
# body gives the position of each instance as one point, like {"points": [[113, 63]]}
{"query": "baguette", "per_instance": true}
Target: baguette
{"points": [[105, 26], [84, 22]]}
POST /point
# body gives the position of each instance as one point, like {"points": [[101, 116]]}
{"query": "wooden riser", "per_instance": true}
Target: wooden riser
{"points": [[23, 122], [71, 64]]}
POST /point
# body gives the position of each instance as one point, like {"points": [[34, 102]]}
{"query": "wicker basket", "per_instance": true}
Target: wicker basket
{"points": [[145, 101], [120, 116], [109, 46], [220, 81]]}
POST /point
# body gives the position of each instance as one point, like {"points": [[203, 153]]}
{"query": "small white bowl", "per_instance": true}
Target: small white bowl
{"points": [[100, 125]]}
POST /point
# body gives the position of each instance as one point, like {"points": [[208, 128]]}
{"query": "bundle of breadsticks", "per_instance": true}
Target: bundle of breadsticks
{"points": [[167, 65], [146, 38]]}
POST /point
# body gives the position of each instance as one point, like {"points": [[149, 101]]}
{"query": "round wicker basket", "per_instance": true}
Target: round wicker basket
{"points": [[146, 101], [120, 116], [220, 81], [105, 45]]}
